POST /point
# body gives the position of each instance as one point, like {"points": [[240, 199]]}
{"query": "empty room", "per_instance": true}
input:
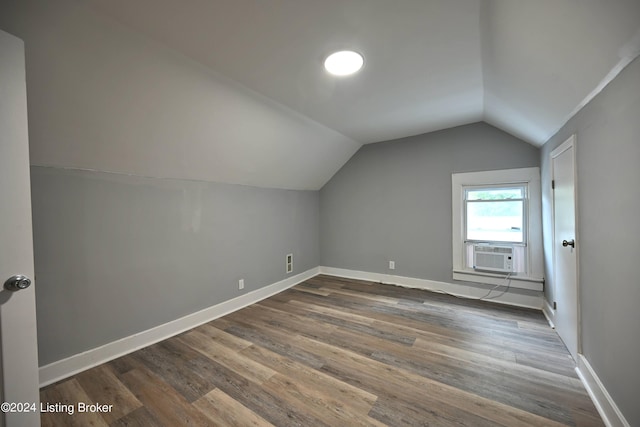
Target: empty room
{"points": [[319, 213]]}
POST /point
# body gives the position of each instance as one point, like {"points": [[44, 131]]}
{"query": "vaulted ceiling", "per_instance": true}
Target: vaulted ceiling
{"points": [[234, 90], [521, 65]]}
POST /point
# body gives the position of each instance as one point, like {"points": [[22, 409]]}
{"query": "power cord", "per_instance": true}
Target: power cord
{"points": [[507, 283], [507, 280]]}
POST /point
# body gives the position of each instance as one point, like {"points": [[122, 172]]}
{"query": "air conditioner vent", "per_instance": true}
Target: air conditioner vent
{"points": [[493, 258]]}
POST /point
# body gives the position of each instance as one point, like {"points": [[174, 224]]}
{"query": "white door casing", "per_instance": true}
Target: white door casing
{"points": [[565, 255], [18, 341]]}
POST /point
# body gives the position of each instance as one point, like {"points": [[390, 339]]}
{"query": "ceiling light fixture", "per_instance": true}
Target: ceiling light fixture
{"points": [[343, 63]]}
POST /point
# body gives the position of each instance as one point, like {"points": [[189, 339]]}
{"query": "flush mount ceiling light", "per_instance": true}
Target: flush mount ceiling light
{"points": [[343, 63]]}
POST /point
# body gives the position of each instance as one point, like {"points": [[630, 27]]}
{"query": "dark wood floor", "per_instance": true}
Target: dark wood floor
{"points": [[338, 352]]}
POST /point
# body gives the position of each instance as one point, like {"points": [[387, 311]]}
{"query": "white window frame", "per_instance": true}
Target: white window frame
{"points": [[525, 213], [532, 278]]}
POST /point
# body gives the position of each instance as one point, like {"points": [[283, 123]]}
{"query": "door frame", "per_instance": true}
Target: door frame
{"points": [[569, 143]]}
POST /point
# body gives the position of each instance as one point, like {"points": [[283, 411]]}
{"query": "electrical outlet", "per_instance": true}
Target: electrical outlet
{"points": [[289, 263], [241, 284], [392, 265]]}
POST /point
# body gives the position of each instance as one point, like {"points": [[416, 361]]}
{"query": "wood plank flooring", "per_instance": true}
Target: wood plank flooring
{"points": [[340, 352]]}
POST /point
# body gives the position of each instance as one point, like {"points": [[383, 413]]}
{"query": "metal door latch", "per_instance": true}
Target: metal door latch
{"points": [[17, 282]]}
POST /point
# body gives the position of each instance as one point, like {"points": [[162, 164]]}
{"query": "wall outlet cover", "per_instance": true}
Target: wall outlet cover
{"points": [[289, 263]]}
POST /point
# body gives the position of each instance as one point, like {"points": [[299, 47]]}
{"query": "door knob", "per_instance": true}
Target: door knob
{"points": [[17, 282], [571, 243]]}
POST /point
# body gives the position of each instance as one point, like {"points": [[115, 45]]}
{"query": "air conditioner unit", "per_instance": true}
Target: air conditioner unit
{"points": [[493, 258]]}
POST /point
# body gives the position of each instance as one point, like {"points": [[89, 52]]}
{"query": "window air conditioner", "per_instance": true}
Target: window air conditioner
{"points": [[493, 258]]}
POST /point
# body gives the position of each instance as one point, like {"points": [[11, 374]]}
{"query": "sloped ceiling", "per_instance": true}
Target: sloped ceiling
{"points": [[521, 65], [234, 90]]}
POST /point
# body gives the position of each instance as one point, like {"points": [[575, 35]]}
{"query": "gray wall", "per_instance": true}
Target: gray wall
{"points": [[392, 200], [118, 254], [103, 97], [608, 167]]}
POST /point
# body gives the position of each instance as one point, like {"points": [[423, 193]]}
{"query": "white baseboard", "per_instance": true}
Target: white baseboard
{"points": [[527, 300], [549, 313], [605, 405], [64, 368]]}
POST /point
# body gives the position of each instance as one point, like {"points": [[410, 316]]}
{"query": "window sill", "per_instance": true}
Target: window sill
{"points": [[519, 282]]}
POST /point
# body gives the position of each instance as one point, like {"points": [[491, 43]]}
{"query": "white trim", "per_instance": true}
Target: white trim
{"points": [[530, 176], [627, 53], [64, 368], [69, 366], [461, 290], [549, 313], [569, 143], [607, 408], [499, 279]]}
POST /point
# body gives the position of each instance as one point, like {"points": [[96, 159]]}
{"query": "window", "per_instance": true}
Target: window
{"points": [[499, 208], [495, 214]]}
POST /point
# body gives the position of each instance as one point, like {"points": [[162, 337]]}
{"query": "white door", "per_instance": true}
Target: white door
{"points": [[18, 348], [565, 245]]}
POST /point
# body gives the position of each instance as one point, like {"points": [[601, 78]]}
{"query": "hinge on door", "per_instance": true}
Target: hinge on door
{"points": [[555, 306], [553, 184]]}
